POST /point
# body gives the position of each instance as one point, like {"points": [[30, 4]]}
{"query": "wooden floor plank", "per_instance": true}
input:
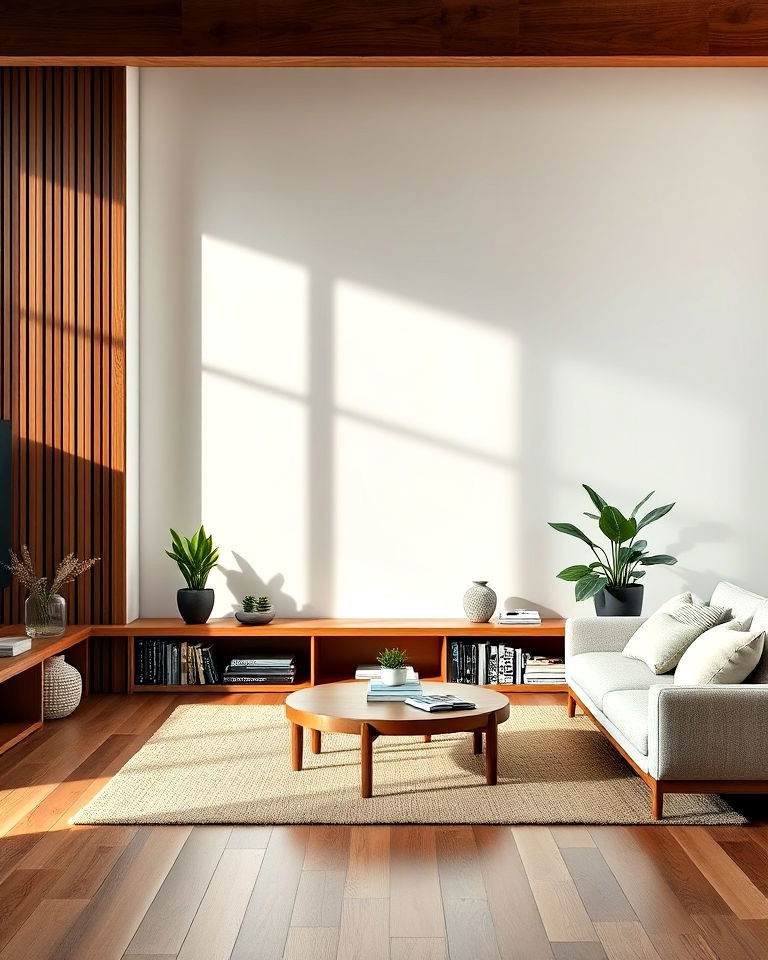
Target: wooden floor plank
{"points": [[364, 932], [566, 837], [267, 918], [598, 888], [318, 899], [417, 906], [516, 919], [327, 848], [733, 885], [626, 941], [249, 838], [105, 928], [562, 911], [368, 869], [458, 864], [411, 948], [540, 854], [579, 951], [38, 936], [217, 921], [470, 931], [312, 943], [166, 924]]}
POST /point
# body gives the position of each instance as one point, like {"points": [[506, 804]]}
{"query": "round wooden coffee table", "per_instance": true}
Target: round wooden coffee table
{"points": [[342, 708]]}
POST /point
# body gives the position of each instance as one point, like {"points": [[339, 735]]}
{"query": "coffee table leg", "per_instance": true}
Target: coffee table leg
{"points": [[316, 741], [477, 741], [367, 736], [491, 750], [297, 745], [427, 738]]}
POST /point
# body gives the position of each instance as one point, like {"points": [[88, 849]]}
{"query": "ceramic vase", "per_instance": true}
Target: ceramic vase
{"points": [[393, 676], [62, 688], [479, 602]]}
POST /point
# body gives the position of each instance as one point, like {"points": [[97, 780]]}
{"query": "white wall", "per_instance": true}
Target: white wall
{"points": [[391, 320]]}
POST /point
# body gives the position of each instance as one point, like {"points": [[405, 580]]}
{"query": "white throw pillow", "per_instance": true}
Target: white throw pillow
{"points": [[725, 654], [665, 636]]}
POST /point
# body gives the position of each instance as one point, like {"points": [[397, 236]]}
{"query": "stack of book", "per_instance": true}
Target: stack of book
{"points": [[258, 669], [544, 670], [519, 618], [475, 661], [13, 646], [168, 663], [379, 692]]}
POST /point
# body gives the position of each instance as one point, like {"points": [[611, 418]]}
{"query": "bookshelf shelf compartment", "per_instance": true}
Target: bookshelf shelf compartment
{"points": [[328, 651]]}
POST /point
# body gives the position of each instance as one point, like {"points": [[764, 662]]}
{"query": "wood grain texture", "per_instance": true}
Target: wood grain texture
{"points": [[110, 892], [62, 328], [148, 29]]}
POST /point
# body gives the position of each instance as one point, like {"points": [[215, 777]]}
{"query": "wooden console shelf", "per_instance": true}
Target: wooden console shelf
{"points": [[21, 677], [328, 650]]}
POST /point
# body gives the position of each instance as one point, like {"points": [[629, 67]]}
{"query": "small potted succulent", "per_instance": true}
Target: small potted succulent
{"points": [[195, 557], [394, 666], [256, 610]]}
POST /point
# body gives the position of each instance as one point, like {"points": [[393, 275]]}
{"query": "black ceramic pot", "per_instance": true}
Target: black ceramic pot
{"points": [[620, 601], [194, 605]]}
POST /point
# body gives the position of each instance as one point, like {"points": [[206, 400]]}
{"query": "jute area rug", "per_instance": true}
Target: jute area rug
{"points": [[231, 764]]}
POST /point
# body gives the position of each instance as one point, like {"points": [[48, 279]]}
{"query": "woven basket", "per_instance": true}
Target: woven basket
{"points": [[62, 688]]}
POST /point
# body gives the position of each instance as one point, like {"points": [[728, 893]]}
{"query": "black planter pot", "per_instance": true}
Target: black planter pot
{"points": [[620, 601], [194, 605]]}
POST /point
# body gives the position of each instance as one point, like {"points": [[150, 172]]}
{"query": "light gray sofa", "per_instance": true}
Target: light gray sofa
{"points": [[680, 739]]}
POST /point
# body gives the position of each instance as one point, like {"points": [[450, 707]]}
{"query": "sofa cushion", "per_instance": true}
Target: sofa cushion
{"points": [[628, 710], [742, 604], [664, 637], [600, 673], [725, 654], [752, 608]]}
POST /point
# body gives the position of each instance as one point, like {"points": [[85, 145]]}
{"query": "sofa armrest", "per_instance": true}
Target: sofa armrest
{"points": [[717, 732], [598, 634]]}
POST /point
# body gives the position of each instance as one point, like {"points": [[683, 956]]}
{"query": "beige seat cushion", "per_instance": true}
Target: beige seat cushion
{"points": [[598, 674], [725, 654], [628, 710], [661, 641]]}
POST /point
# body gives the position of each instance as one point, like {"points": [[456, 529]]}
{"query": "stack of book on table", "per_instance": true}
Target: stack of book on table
{"points": [[257, 669], [13, 646], [519, 618], [379, 692], [438, 703], [544, 670]]}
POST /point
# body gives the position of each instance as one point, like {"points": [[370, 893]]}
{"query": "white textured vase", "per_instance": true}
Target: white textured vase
{"points": [[479, 602], [62, 688]]}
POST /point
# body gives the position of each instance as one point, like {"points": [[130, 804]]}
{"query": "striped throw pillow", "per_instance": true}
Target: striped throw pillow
{"points": [[661, 641]]}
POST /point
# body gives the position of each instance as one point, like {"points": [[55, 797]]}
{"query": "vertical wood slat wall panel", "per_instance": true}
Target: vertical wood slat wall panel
{"points": [[62, 328]]}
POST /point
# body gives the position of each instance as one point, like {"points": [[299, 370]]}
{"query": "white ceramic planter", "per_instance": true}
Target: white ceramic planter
{"points": [[393, 677]]}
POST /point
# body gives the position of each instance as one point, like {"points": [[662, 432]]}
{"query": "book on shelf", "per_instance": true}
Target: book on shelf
{"points": [[519, 617], [173, 663], [13, 646], [372, 671], [434, 703], [482, 662], [379, 692]]}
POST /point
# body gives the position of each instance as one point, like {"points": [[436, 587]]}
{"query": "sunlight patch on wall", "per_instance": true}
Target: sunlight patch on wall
{"points": [[254, 309]]}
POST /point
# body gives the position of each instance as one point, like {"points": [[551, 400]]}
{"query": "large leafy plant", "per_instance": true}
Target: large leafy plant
{"points": [[196, 557], [618, 565]]}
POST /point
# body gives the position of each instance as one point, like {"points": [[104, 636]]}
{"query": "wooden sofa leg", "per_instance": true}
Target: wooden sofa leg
{"points": [[657, 800], [571, 705]]}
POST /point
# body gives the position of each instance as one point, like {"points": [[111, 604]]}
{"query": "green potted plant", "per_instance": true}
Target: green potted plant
{"points": [[256, 610], [196, 557], [612, 578], [394, 666]]}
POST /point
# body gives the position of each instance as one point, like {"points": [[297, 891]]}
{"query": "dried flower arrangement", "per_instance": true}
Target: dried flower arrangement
{"points": [[40, 591]]}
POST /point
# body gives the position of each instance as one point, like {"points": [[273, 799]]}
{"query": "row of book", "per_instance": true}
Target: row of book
{"points": [[170, 663], [479, 662], [257, 669]]}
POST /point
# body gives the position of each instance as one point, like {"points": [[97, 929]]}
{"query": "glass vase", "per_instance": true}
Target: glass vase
{"points": [[45, 615]]}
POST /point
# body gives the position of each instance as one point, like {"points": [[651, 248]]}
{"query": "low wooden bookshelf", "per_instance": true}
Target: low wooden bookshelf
{"points": [[329, 650]]}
